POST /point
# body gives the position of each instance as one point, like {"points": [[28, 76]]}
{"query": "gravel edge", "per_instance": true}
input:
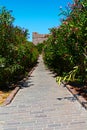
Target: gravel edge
{"points": [[80, 98]]}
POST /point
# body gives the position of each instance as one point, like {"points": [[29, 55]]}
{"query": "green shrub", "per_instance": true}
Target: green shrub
{"points": [[67, 45], [17, 54], [40, 47]]}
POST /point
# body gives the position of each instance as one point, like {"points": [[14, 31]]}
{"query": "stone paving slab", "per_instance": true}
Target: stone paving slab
{"points": [[42, 105]]}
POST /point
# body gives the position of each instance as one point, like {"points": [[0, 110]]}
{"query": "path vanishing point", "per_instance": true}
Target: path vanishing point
{"points": [[42, 105]]}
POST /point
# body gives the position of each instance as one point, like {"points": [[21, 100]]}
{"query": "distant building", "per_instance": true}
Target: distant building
{"points": [[39, 38]]}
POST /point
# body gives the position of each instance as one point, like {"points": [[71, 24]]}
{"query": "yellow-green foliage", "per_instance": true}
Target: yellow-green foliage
{"points": [[71, 76]]}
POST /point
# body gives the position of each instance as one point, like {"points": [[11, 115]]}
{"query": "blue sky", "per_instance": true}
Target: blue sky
{"points": [[35, 15]]}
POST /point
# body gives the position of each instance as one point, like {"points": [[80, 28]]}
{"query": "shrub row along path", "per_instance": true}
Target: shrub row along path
{"points": [[42, 105]]}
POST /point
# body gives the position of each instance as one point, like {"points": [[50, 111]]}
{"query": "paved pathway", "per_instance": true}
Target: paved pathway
{"points": [[43, 106]]}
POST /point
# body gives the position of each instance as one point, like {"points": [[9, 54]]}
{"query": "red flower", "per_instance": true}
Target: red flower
{"points": [[65, 22]]}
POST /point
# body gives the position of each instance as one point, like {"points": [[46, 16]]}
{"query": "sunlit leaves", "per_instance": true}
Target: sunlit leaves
{"points": [[67, 46]]}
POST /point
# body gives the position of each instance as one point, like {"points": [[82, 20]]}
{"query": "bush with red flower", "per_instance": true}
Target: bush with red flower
{"points": [[66, 48], [17, 54]]}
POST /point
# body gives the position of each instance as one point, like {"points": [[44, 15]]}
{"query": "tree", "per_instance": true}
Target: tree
{"points": [[5, 16]]}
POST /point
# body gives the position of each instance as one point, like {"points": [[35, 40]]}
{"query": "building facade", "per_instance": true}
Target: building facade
{"points": [[39, 38]]}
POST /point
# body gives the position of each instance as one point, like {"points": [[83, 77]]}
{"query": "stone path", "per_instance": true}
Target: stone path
{"points": [[42, 105]]}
